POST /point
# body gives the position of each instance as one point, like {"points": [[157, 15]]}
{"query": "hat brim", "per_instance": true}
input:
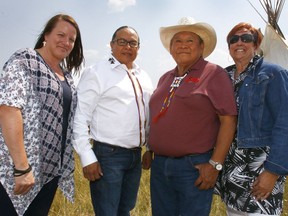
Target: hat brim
{"points": [[204, 30]]}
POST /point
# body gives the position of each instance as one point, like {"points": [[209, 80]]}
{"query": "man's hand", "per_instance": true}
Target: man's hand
{"points": [[24, 183], [263, 185], [93, 171], [147, 160], [207, 176]]}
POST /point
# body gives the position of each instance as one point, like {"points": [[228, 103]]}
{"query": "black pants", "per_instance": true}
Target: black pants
{"points": [[6, 206], [40, 206]]}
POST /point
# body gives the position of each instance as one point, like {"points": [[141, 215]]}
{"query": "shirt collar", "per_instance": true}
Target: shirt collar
{"points": [[198, 65], [115, 63]]}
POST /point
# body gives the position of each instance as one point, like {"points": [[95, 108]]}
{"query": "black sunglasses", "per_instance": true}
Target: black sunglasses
{"points": [[245, 38]]}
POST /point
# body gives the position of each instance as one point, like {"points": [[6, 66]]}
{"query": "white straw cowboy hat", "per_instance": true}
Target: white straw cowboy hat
{"points": [[204, 30]]}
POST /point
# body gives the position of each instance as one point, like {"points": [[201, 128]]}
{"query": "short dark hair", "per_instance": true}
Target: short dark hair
{"points": [[123, 27], [76, 57]]}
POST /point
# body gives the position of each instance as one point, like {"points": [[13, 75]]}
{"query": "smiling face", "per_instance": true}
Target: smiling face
{"points": [[242, 51], [186, 48], [60, 41], [125, 54]]}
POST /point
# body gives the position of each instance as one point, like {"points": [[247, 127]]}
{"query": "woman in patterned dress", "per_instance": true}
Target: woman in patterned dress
{"points": [[253, 179], [37, 104]]}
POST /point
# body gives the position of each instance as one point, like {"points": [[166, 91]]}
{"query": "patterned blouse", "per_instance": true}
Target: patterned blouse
{"points": [[242, 166], [29, 84]]}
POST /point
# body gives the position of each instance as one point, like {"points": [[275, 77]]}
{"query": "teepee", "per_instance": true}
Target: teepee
{"points": [[274, 46]]}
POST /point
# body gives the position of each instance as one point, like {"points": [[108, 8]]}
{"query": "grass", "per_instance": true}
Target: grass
{"points": [[83, 206]]}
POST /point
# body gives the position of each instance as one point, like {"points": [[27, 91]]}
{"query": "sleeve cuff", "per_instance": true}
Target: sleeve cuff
{"points": [[275, 168], [87, 157]]}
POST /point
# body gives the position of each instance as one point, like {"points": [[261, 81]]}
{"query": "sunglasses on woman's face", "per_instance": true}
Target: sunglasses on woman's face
{"points": [[245, 38]]}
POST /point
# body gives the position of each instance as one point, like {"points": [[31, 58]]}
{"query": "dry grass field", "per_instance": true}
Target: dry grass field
{"points": [[83, 207]]}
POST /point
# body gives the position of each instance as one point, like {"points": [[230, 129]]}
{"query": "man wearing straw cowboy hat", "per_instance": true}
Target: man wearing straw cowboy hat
{"points": [[193, 115]]}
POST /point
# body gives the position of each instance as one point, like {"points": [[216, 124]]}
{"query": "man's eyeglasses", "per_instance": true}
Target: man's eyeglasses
{"points": [[123, 42], [245, 38]]}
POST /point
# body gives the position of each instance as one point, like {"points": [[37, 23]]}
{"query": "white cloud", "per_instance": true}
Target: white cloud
{"points": [[91, 56], [119, 5], [220, 57]]}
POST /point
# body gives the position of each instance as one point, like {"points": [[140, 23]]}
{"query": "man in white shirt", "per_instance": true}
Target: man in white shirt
{"points": [[112, 112]]}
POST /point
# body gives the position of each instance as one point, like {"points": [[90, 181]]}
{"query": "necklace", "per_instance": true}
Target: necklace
{"points": [[166, 103]]}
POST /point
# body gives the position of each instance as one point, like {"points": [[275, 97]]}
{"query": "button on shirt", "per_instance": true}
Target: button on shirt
{"points": [[112, 107]]}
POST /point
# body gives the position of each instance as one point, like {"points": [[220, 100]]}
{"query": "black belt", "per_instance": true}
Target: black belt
{"points": [[114, 146], [188, 155]]}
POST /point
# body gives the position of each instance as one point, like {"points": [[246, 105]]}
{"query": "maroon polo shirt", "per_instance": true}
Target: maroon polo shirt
{"points": [[191, 122]]}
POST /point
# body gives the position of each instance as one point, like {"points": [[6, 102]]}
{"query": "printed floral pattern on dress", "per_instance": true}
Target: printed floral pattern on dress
{"points": [[28, 83]]}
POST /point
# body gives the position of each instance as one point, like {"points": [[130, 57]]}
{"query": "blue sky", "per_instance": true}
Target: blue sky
{"points": [[22, 20]]}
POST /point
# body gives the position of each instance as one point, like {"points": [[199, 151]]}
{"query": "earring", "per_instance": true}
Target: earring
{"points": [[44, 43]]}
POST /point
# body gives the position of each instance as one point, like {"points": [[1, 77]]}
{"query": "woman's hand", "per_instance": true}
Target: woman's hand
{"points": [[263, 185], [23, 183]]}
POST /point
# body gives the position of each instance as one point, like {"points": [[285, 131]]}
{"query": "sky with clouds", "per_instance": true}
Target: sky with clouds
{"points": [[21, 21]]}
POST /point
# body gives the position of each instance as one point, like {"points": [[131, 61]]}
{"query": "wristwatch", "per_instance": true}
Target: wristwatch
{"points": [[218, 166]]}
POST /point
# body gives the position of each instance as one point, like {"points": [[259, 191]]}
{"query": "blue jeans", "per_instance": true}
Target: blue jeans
{"points": [[172, 187], [115, 193]]}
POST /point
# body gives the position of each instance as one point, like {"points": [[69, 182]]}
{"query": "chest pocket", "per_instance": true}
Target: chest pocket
{"points": [[188, 96], [257, 89], [186, 89]]}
